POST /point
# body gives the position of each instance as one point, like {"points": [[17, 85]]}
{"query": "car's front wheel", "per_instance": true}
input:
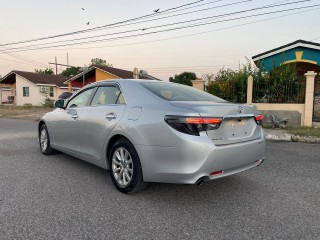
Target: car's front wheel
{"points": [[125, 167], [44, 141]]}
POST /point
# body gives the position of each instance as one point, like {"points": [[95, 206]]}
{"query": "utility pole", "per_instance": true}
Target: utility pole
{"points": [[67, 59], [56, 66], [59, 64]]}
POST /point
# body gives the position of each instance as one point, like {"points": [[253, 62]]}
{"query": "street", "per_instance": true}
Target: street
{"points": [[61, 197]]}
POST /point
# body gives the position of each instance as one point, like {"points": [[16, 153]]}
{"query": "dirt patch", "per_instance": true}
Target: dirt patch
{"points": [[23, 112]]}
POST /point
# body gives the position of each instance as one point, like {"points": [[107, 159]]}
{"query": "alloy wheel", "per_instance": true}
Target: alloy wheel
{"points": [[122, 166], [43, 140]]}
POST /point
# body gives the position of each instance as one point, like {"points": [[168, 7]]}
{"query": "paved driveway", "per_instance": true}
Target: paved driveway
{"points": [[60, 197]]}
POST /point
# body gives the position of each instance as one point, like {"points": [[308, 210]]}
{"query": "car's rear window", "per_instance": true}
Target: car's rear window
{"points": [[179, 92]]}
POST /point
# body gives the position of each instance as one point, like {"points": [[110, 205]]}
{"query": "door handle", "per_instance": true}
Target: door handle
{"points": [[111, 116], [75, 116]]}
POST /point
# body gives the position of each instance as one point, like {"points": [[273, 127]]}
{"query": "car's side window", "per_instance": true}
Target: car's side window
{"points": [[107, 95], [80, 100]]}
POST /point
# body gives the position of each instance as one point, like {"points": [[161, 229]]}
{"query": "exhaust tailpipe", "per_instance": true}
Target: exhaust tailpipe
{"points": [[200, 181]]}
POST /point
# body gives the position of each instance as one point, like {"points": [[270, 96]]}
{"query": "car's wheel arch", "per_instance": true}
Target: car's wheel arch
{"points": [[49, 129], [41, 122], [112, 140]]}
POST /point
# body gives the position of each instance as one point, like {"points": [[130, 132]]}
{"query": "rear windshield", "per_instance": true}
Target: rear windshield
{"points": [[179, 92]]}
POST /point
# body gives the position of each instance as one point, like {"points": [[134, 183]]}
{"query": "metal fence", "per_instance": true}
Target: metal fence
{"points": [[230, 90], [316, 103], [272, 91]]}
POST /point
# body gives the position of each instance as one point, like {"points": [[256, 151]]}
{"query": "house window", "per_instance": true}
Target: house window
{"points": [[26, 91], [51, 92]]}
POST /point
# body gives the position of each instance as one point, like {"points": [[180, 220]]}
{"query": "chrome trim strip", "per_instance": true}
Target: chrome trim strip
{"points": [[238, 116]]}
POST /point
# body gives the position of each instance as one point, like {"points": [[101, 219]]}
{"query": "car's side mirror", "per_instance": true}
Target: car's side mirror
{"points": [[59, 103]]}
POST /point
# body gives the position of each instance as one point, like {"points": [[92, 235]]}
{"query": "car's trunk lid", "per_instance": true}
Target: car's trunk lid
{"points": [[238, 122]]}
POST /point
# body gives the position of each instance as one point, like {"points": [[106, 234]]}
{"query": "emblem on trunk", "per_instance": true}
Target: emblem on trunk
{"points": [[240, 109]]}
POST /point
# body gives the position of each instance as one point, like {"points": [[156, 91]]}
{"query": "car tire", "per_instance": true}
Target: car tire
{"points": [[44, 141], [125, 167]]}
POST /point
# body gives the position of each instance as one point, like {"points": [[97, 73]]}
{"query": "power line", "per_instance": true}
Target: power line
{"points": [[314, 39], [163, 25], [165, 30], [180, 67], [200, 10], [19, 62], [92, 29], [167, 11], [26, 59], [128, 44], [190, 35]]}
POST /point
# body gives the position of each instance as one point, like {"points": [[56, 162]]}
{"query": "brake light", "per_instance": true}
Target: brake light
{"points": [[216, 173], [194, 120], [192, 125], [259, 119], [203, 120]]}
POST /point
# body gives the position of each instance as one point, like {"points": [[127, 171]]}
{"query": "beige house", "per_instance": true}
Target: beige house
{"points": [[20, 88]]}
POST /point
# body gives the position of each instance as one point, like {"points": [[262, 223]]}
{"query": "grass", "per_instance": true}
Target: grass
{"points": [[305, 131], [28, 112]]}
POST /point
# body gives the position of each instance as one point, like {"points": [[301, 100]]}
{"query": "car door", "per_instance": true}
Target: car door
{"points": [[65, 124], [98, 119]]}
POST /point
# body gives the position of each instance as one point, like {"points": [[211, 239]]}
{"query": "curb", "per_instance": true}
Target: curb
{"points": [[292, 138]]}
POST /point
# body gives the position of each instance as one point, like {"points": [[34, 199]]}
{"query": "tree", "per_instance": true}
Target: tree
{"points": [[71, 71], [281, 85], [231, 84], [184, 78], [100, 61], [48, 71]]}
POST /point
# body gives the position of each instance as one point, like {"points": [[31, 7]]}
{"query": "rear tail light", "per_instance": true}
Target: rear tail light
{"points": [[192, 125], [258, 119], [216, 173]]}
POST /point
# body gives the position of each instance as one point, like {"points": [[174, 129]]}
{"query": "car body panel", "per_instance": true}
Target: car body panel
{"points": [[166, 154], [63, 122]]}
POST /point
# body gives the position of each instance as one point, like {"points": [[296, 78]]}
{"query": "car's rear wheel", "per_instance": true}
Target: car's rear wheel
{"points": [[44, 141], [125, 167]]}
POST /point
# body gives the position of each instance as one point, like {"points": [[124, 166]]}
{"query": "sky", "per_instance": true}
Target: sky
{"points": [[188, 35]]}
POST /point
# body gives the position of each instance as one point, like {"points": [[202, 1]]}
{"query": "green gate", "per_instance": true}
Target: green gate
{"points": [[316, 104]]}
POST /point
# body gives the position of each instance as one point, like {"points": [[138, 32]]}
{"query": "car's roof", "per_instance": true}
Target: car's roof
{"points": [[123, 81], [128, 80]]}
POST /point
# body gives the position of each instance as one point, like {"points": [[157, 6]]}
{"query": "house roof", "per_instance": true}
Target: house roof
{"points": [[36, 78], [298, 43], [117, 72]]}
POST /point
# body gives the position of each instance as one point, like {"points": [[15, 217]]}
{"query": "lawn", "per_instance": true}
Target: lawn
{"points": [[23, 112], [305, 131]]}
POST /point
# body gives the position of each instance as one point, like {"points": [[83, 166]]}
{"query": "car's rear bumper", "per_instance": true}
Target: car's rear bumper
{"points": [[195, 158]]}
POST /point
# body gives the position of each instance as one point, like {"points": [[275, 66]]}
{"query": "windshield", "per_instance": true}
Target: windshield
{"points": [[179, 92]]}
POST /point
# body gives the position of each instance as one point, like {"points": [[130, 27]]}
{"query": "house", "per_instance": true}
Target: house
{"points": [[305, 54], [19, 87], [306, 57], [96, 73]]}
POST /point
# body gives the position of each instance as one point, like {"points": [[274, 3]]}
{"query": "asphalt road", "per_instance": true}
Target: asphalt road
{"points": [[60, 197]]}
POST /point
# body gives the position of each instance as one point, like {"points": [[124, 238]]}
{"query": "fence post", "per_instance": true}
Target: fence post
{"points": [[308, 107], [198, 84], [249, 89]]}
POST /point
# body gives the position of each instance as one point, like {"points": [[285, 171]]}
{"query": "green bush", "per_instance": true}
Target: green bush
{"points": [[48, 103], [281, 85]]}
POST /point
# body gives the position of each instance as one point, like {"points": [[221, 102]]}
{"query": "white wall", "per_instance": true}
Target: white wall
{"points": [[4, 95], [35, 98]]}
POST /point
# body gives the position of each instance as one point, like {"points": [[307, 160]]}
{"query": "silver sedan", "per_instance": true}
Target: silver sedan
{"points": [[153, 131]]}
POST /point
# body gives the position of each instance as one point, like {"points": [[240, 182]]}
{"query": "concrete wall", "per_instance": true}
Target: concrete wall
{"points": [[198, 84], [35, 98], [294, 112], [4, 95]]}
